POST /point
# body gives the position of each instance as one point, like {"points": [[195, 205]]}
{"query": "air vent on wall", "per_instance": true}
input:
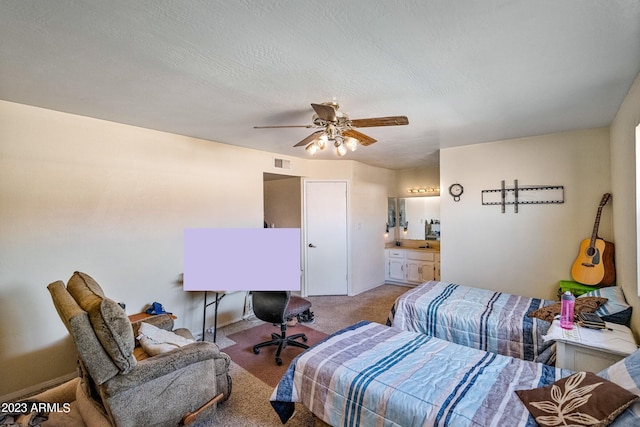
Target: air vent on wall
{"points": [[281, 163]]}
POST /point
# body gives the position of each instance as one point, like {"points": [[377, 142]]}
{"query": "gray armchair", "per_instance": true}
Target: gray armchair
{"points": [[163, 390]]}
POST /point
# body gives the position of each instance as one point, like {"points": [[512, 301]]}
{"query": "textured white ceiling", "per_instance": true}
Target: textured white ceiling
{"points": [[463, 71]]}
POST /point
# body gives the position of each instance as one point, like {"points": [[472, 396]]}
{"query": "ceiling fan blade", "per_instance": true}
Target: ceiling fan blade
{"points": [[380, 121], [325, 112], [309, 138], [285, 126], [361, 137]]}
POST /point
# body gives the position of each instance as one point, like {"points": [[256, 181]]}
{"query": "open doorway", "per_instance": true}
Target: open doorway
{"points": [[282, 201], [282, 207]]}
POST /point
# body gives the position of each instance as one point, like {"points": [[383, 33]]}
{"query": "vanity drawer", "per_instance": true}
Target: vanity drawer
{"points": [[421, 256], [396, 253]]}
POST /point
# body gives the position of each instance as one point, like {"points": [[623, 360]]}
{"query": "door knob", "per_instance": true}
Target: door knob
{"points": [[311, 245]]}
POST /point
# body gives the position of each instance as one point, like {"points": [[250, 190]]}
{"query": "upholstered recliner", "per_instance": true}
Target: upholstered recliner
{"points": [[167, 389]]}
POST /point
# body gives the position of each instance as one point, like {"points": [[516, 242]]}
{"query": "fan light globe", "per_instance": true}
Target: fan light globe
{"points": [[351, 143], [341, 150], [321, 142], [312, 148]]}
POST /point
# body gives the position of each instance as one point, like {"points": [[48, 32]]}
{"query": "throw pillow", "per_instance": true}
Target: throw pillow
{"points": [[155, 340], [626, 373], [582, 305], [616, 310], [582, 399]]}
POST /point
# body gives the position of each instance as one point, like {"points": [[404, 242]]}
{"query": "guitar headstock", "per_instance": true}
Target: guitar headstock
{"points": [[605, 199]]}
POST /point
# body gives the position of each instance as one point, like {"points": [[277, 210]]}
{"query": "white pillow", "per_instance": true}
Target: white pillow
{"points": [[155, 340]]}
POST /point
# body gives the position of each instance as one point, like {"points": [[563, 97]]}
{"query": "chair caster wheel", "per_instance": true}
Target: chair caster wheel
{"points": [[278, 361], [256, 351]]}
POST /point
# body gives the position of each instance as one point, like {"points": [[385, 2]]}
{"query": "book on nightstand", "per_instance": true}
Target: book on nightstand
{"points": [[591, 320]]}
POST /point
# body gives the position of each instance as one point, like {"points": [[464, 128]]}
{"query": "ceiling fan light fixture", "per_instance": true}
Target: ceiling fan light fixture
{"points": [[351, 143], [312, 148], [321, 142], [341, 150], [336, 126]]}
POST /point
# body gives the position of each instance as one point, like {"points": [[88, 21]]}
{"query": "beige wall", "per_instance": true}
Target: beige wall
{"points": [[368, 218], [113, 200], [625, 198], [529, 252], [422, 177]]}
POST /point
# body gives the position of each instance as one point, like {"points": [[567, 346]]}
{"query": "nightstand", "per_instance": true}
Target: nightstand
{"points": [[584, 349]]}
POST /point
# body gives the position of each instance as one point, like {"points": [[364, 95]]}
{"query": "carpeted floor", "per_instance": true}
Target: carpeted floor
{"points": [[249, 404], [263, 365]]}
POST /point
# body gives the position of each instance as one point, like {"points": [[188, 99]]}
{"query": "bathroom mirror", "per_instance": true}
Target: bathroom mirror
{"points": [[420, 216], [391, 212]]}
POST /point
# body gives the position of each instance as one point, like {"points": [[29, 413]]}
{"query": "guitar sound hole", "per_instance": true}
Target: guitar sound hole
{"points": [[591, 251]]}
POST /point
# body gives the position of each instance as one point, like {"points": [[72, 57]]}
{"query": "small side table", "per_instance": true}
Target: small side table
{"points": [[584, 349], [133, 318]]}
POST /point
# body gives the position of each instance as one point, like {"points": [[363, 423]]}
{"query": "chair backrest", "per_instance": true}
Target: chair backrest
{"points": [[99, 327], [270, 306]]}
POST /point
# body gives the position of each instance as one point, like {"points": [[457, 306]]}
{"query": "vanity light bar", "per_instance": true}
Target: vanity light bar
{"points": [[424, 190]]}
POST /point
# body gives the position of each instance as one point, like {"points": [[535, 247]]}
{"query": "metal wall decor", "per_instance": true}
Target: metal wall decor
{"points": [[525, 195]]}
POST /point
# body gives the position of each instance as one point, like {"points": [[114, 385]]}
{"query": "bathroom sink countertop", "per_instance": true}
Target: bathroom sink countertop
{"points": [[413, 248]]}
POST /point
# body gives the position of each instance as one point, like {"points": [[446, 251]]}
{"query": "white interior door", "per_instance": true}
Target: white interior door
{"points": [[325, 213]]}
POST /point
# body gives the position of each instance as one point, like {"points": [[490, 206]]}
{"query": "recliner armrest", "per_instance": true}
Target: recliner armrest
{"points": [[163, 364]]}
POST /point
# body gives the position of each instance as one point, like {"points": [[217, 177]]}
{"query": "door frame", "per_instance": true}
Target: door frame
{"points": [[303, 240]]}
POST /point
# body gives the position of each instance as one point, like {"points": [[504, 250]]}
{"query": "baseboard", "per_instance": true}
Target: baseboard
{"points": [[29, 391], [198, 335], [367, 289]]}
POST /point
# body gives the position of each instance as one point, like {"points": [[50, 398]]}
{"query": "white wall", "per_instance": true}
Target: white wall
{"points": [[529, 252], [113, 200], [623, 170]]}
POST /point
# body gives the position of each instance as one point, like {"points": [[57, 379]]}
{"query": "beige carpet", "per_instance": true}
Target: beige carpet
{"points": [[263, 365], [249, 404], [332, 313]]}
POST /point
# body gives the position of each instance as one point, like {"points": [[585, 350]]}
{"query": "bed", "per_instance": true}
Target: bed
{"points": [[374, 375], [474, 317], [491, 321]]}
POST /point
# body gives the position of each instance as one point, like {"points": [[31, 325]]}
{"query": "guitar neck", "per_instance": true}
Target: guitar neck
{"points": [[596, 224]]}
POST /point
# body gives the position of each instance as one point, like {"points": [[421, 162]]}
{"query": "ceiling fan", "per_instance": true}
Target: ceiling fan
{"points": [[336, 127]]}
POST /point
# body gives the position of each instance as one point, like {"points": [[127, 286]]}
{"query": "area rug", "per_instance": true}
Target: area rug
{"points": [[263, 365]]}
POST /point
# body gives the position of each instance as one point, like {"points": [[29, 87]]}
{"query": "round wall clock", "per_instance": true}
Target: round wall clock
{"points": [[456, 191]]}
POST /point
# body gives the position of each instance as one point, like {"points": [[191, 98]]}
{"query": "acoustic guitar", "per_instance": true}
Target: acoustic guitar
{"points": [[594, 265]]}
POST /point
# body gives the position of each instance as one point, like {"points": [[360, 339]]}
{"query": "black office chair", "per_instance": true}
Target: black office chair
{"points": [[277, 307]]}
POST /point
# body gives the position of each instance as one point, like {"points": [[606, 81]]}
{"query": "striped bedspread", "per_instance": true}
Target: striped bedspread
{"points": [[478, 318], [374, 375]]}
